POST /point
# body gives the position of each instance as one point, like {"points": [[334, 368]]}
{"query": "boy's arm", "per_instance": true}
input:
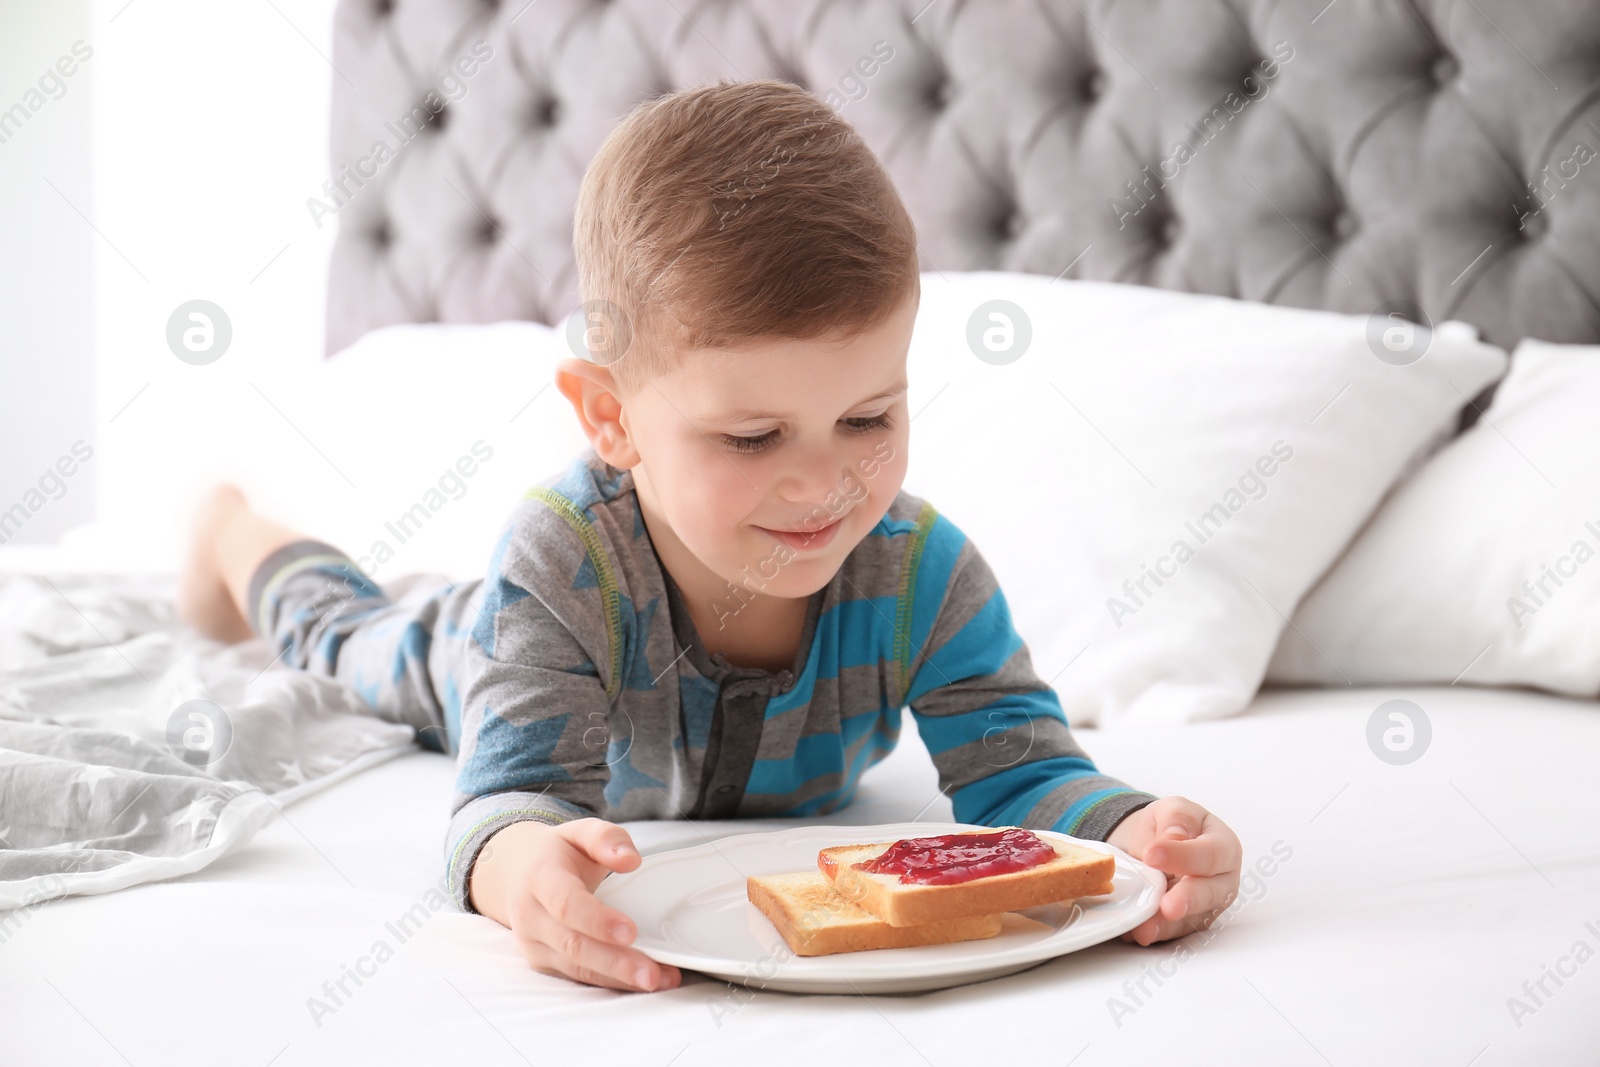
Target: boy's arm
{"points": [[995, 730], [534, 704]]}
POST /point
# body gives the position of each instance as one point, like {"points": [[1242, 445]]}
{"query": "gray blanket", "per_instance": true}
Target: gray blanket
{"points": [[134, 749]]}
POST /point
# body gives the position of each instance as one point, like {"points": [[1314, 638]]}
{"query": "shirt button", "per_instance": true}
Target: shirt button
{"points": [[724, 789]]}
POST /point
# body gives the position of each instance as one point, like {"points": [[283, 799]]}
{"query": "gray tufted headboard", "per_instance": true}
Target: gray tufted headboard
{"points": [[1338, 154]]}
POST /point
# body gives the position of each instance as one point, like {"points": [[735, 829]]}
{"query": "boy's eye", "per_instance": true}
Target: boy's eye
{"points": [[756, 444], [866, 425], [749, 444]]}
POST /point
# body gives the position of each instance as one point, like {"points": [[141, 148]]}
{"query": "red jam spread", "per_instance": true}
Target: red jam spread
{"points": [[953, 858]]}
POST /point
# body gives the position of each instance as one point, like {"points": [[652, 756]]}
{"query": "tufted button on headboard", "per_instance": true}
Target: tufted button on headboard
{"points": [[1338, 155]]}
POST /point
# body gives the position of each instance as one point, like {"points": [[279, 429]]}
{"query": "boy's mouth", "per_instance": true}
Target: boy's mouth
{"points": [[806, 539]]}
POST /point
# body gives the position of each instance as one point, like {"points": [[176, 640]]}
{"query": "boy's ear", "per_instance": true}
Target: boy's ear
{"points": [[593, 393]]}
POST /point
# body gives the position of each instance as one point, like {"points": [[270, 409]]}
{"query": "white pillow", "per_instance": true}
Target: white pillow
{"points": [[1193, 390], [1484, 566], [1132, 413]]}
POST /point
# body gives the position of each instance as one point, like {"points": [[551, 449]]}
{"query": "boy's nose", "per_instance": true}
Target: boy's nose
{"points": [[815, 480]]}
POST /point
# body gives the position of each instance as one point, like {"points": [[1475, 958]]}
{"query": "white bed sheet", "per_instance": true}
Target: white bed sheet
{"points": [[1416, 901]]}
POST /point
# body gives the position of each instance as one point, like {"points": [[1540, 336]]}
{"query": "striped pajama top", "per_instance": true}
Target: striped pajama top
{"points": [[584, 689]]}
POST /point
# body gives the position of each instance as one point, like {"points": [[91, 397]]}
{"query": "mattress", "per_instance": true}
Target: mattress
{"points": [[1445, 911]]}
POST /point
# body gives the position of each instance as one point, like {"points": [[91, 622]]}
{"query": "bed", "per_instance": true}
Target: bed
{"points": [[1444, 911], [1394, 914]]}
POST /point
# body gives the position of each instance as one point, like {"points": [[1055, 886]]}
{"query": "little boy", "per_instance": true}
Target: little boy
{"points": [[722, 606]]}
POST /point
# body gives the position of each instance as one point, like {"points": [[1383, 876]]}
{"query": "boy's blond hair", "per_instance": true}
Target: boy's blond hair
{"points": [[734, 212]]}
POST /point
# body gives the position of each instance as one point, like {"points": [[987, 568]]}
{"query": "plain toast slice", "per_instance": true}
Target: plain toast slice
{"points": [[815, 920], [1075, 872]]}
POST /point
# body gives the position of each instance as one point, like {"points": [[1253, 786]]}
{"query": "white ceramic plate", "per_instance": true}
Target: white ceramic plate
{"points": [[691, 911]]}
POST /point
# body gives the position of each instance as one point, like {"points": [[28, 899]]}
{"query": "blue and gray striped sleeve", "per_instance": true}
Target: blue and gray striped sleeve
{"points": [[996, 731], [535, 690]]}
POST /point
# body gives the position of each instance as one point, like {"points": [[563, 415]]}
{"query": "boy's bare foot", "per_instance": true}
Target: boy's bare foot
{"points": [[204, 600]]}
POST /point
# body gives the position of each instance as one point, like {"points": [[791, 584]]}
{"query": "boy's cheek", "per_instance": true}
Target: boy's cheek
{"points": [[883, 470], [720, 500]]}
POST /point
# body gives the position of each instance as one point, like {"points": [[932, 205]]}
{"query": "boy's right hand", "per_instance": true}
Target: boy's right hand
{"points": [[539, 880]]}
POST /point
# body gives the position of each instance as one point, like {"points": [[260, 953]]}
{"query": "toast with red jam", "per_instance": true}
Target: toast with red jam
{"points": [[920, 880]]}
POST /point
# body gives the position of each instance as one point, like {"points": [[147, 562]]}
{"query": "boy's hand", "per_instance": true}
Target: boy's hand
{"points": [[1199, 855], [539, 880]]}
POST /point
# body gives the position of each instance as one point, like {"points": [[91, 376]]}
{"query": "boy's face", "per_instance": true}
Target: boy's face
{"points": [[783, 435]]}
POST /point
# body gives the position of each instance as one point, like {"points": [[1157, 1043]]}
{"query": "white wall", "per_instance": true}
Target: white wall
{"points": [[211, 129], [207, 128], [46, 269]]}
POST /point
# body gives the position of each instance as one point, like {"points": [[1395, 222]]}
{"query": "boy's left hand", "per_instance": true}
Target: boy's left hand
{"points": [[1199, 855]]}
